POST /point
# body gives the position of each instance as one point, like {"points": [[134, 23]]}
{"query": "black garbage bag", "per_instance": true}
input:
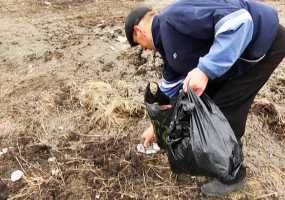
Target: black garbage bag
{"points": [[159, 117], [197, 137]]}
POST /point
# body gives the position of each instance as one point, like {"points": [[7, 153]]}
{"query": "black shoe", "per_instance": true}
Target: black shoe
{"points": [[216, 188]]}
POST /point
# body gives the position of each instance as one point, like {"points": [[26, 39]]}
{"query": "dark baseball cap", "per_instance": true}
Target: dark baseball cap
{"points": [[133, 19]]}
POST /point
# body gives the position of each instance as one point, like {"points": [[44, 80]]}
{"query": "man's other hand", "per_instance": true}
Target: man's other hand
{"points": [[197, 80], [148, 136]]}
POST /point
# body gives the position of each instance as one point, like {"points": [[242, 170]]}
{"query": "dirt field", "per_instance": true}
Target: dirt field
{"points": [[71, 109]]}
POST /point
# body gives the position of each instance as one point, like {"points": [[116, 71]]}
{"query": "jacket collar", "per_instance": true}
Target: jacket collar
{"points": [[155, 30]]}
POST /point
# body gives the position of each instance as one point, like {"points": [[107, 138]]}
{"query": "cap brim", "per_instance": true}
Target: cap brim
{"points": [[133, 19]]}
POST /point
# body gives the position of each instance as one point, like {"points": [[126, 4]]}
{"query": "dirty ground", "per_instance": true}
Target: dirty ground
{"points": [[71, 109]]}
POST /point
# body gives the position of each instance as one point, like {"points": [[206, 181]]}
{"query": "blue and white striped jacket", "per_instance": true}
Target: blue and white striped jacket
{"points": [[222, 38]]}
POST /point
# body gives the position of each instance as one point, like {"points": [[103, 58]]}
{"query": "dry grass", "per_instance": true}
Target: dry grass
{"points": [[272, 114], [109, 108]]}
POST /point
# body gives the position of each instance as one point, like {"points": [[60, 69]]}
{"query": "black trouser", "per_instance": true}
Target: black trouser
{"points": [[235, 96]]}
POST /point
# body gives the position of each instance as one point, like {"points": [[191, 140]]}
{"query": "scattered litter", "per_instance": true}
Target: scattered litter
{"points": [[51, 159], [55, 172], [47, 3], [3, 151], [16, 175], [152, 149], [121, 39], [101, 26]]}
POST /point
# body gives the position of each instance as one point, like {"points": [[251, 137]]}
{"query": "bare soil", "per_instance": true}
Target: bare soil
{"points": [[71, 109]]}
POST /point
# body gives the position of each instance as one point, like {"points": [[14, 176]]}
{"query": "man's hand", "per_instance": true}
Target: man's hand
{"points": [[197, 80], [148, 136]]}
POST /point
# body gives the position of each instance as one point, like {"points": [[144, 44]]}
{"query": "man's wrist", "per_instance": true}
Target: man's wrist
{"points": [[206, 71]]}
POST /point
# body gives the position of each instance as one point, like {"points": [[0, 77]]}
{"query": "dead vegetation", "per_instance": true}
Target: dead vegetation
{"points": [[109, 108], [71, 110], [272, 115]]}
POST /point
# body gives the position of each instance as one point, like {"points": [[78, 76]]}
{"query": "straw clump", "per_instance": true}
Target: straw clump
{"points": [[108, 107]]}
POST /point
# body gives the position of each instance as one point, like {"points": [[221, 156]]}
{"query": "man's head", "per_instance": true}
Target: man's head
{"points": [[138, 27]]}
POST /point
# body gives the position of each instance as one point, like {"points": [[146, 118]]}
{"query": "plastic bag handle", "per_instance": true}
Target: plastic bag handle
{"points": [[206, 100], [199, 100], [175, 104]]}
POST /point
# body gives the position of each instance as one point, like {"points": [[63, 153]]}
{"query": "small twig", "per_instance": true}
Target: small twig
{"points": [[267, 195], [18, 196], [174, 186], [158, 167], [30, 165], [86, 135], [20, 165], [18, 159], [144, 180], [161, 178], [43, 127], [131, 196], [70, 160], [277, 169], [279, 156], [61, 174], [124, 168]]}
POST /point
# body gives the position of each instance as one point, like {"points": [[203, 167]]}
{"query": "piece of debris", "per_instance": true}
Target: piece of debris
{"points": [[51, 159], [47, 3], [152, 149], [16, 175], [3, 151], [121, 39], [55, 172]]}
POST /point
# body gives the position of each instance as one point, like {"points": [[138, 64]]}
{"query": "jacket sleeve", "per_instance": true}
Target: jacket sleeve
{"points": [[233, 33], [171, 88]]}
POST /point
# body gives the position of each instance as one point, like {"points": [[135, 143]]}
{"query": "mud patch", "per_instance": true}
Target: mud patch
{"points": [[272, 114]]}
